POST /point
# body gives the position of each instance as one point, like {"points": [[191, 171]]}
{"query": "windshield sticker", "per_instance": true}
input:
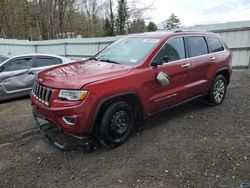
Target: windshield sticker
{"points": [[151, 40], [133, 60]]}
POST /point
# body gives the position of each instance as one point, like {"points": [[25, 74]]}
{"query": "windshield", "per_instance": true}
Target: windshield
{"points": [[2, 59], [128, 51]]}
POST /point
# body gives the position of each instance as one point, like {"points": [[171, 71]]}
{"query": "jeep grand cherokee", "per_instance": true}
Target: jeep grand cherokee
{"points": [[136, 76]]}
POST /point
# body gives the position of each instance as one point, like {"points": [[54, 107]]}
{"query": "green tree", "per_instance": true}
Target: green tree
{"points": [[152, 26], [51, 19], [108, 28], [137, 26], [172, 22], [122, 16]]}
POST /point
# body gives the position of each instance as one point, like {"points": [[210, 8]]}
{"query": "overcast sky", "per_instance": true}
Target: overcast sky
{"points": [[194, 12]]}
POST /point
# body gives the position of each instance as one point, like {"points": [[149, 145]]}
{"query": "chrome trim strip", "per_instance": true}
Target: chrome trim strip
{"points": [[41, 93], [66, 121], [166, 97]]}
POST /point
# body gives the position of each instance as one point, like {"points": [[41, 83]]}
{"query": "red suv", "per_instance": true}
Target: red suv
{"points": [[133, 78]]}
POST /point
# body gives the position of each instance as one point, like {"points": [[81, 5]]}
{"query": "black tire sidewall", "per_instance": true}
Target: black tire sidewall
{"points": [[211, 95], [104, 135]]}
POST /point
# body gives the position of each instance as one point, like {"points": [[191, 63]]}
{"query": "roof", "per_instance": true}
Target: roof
{"points": [[37, 54], [164, 33], [156, 34]]}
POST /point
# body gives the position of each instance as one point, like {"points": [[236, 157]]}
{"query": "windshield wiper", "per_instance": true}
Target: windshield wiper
{"points": [[109, 61], [93, 58]]}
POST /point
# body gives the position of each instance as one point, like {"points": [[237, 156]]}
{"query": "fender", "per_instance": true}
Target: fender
{"points": [[223, 69], [131, 93]]}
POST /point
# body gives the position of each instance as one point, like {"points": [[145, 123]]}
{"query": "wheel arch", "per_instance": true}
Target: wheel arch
{"points": [[225, 72], [131, 97]]}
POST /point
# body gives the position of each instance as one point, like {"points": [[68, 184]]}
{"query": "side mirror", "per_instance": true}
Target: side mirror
{"points": [[163, 79]]}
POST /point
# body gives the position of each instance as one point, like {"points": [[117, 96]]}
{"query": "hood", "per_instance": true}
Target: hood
{"points": [[76, 75]]}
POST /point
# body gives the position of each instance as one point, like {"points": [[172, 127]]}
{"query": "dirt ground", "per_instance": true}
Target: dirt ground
{"points": [[193, 145]]}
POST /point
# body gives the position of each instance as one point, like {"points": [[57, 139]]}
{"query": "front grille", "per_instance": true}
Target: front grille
{"points": [[42, 93]]}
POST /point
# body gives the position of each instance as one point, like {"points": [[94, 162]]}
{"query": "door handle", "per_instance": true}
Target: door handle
{"points": [[31, 73], [185, 65], [212, 58]]}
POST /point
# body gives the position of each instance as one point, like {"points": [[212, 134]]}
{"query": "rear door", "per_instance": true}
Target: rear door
{"points": [[201, 64], [176, 70], [216, 49], [15, 77], [45, 62]]}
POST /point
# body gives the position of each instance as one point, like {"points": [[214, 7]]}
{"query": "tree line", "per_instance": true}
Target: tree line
{"points": [[52, 19]]}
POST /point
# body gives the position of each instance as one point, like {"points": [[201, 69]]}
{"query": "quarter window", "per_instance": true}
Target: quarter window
{"points": [[46, 61], [215, 44], [174, 50], [198, 46], [18, 64]]}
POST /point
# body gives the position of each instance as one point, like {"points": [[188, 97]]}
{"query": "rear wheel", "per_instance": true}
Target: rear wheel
{"points": [[217, 91], [116, 124]]}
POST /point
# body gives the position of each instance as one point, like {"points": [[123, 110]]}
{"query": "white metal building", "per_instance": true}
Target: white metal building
{"points": [[74, 48], [236, 35]]}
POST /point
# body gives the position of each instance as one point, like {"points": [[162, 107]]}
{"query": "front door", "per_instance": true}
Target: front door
{"points": [[16, 78], [174, 88]]}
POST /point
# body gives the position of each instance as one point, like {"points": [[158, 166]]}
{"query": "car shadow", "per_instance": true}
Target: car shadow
{"points": [[14, 99], [163, 117], [170, 114]]}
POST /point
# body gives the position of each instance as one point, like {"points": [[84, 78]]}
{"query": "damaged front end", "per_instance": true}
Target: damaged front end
{"points": [[61, 140]]}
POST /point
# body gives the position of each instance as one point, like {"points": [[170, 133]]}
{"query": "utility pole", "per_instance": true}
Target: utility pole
{"points": [[111, 18]]}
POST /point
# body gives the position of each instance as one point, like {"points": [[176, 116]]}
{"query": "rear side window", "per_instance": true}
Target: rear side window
{"points": [[18, 64], [198, 46], [215, 44], [2, 59], [46, 61], [174, 49]]}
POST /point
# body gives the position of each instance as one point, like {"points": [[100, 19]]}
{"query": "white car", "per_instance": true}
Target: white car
{"points": [[18, 73]]}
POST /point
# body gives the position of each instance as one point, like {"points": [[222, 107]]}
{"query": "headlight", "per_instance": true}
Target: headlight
{"points": [[73, 95]]}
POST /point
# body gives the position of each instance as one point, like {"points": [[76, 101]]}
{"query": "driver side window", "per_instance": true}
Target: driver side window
{"points": [[174, 50], [18, 64]]}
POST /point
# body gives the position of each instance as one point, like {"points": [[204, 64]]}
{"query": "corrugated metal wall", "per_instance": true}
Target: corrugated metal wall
{"points": [[235, 34], [237, 37], [74, 48]]}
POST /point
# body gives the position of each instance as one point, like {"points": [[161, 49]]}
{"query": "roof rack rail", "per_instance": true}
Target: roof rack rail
{"points": [[182, 30]]}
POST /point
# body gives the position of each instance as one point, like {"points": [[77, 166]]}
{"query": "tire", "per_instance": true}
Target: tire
{"points": [[116, 125], [217, 91]]}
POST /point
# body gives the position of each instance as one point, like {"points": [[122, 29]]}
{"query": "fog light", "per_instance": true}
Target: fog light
{"points": [[69, 120]]}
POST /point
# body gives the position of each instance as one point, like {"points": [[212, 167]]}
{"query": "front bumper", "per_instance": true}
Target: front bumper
{"points": [[59, 139], [56, 116]]}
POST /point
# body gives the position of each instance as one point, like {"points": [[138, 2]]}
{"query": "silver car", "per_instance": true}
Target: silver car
{"points": [[17, 74]]}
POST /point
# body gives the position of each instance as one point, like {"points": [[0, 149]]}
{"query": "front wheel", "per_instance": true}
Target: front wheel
{"points": [[217, 91], [116, 124]]}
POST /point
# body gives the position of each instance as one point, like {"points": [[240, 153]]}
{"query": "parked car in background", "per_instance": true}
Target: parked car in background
{"points": [[135, 77], [18, 73]]}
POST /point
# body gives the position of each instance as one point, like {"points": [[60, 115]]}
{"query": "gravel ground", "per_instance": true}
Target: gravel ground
{"points": [[191, 146]]}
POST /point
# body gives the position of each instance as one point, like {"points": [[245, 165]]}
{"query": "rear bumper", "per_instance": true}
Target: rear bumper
{"points": [[55, 115]]}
